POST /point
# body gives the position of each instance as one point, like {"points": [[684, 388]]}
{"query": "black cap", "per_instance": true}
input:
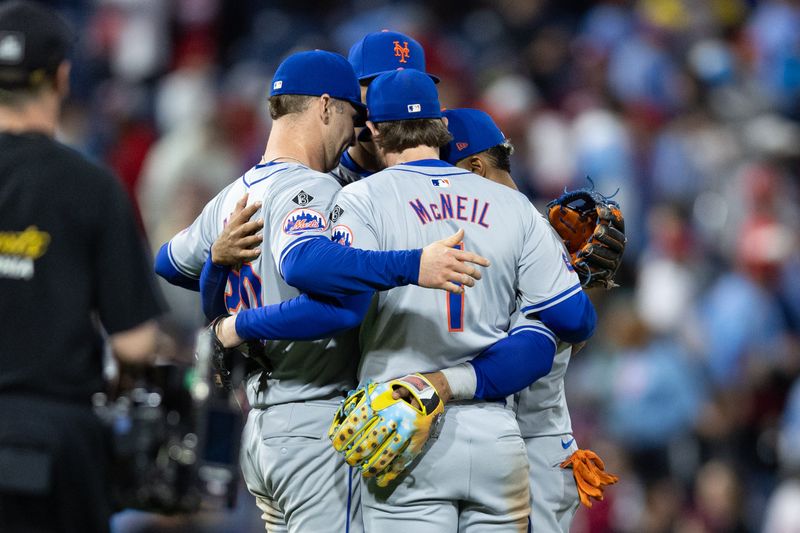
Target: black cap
{"points": [[34, 40]]}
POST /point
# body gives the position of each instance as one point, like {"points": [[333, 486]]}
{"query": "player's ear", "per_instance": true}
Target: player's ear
{"points": [[476, 166], [373, 129], [325, 103], [61, 84]]}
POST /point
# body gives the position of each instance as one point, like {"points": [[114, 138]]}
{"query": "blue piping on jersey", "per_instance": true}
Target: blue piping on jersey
{"points": [[166, 267], [539, 329], [463, 173], [552, 300], [268, 164], [176, 265], [259, 180], [429, 163], [291, 247], [572, 320]]}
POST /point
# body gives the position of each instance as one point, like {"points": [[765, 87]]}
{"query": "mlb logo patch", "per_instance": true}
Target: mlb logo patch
{"points": [[302, 220], [414, 108], [277, 85], [342, 235], [440, 182]]}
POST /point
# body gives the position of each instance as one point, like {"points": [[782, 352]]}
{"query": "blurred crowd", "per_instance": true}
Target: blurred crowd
{"points": [[687, 110]]}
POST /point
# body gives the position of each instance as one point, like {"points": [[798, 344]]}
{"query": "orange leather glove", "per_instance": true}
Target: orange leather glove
{"points": [[590, 475]]}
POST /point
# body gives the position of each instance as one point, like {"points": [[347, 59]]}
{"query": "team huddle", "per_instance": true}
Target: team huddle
{"points": [[414, 314]]}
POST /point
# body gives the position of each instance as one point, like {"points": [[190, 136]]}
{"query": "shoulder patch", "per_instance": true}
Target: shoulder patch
{"points": [[336, 213], [302, 199], [302, 220], [342, 234]]}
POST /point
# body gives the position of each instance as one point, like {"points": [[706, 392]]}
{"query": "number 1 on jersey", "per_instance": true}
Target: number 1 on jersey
{"points": [[455, 306]]}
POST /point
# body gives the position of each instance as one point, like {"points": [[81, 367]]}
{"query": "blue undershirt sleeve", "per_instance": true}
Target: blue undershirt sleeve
{"points": [[213, 279], [572, 320], [321, 266], [303, 317], [165, 269], [513, 363]]}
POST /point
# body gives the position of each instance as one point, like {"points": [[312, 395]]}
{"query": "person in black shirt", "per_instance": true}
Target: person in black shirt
{"points": [[72, 265]]}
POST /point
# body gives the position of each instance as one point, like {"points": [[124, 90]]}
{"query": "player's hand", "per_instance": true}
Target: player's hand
{"points": [[590, 475], [381, 431], [239, 240], [439, 382], [444, 267], [225, 330]]}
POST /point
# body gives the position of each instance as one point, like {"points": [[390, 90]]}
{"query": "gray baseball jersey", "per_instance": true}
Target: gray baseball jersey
{"points": [[296, 202], [409, 205], [410, 329], [542, 407]]}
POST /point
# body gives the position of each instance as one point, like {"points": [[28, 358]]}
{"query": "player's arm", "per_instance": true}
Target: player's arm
{"points": [[506, 367], [319, 266], [237, 244], [548, 287], [165, 267], [304, 317], [301, 318], [181, 259]]}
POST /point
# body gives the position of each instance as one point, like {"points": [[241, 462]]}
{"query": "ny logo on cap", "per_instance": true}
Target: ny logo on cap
{"points": [[277, 85], [414, 108], [401, 51], [11, 47]]}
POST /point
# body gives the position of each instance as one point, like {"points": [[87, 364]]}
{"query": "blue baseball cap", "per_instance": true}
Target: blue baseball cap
{"points": [[384, 51], [315, 73], [404, 94], [473, 131]]}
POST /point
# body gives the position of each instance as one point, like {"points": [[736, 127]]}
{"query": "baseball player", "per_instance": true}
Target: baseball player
{"points": [[299, 482], [473, 476], [478, 145], [376, 53]]}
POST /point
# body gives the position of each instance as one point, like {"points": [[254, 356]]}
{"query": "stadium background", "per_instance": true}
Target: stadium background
{"points": [[690, 108]]}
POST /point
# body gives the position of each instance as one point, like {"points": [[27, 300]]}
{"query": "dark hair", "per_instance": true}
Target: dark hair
{"points": [[500, 155], [20, 97], [398, 135], [286, 104]]}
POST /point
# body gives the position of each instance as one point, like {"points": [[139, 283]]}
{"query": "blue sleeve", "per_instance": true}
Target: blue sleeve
{"points": [[513, 363], [213, 279], [572, 320], [303, 318], [321, 266], [167, 270]]}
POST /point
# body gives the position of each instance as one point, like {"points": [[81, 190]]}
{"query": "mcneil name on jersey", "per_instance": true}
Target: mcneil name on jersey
{"points": [[452, 207]]}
